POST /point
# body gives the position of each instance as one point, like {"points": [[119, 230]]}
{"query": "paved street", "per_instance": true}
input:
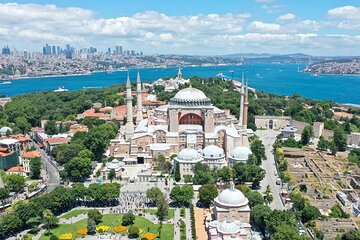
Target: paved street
{"points": [[268, 138], [52, 175], [188, 223]]}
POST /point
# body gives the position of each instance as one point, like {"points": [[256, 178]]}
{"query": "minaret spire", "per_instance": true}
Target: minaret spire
{"points": [[246, 105], [241, 115], [139, 115], [129, 126]]}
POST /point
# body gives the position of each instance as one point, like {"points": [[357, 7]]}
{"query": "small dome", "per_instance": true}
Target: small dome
{"points": [[115, 164], [213, 151], [189, 155], [228, 227], [231, 197], [190, 96], [5, 130], [240, 153]]}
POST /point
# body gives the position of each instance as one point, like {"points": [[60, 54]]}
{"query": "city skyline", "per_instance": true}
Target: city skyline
{"points": [[259, 26]]}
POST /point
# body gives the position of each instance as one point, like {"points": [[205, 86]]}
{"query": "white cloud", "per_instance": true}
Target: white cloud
{"points": [[258, 26], [345, 12], [30, 26], [286, 17], [276, 8]]}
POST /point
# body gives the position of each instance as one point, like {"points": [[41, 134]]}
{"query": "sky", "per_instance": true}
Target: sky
{"points": [[196, 27]]}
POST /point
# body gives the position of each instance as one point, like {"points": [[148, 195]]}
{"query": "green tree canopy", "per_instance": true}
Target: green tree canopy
{"points": [[207, 194]]}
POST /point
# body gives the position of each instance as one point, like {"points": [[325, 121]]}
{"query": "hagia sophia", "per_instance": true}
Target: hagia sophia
{"points": [[188, 126]]}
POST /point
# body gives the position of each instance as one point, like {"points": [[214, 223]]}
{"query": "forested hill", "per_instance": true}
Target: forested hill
{"points": [[28, 110]]}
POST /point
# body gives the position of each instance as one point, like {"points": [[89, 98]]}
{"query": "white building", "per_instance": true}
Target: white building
{"points": [[239, 154], [214, 156], [187, 158]]}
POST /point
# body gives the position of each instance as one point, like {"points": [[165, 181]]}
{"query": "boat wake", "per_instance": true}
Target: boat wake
{"points": [[259, 76]]}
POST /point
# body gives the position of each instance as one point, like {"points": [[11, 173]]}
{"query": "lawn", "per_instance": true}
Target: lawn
{"points": [[74, 213], [114, 220], [153, 211]]}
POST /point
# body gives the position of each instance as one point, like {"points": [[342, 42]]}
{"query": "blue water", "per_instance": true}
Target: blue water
{"points": [[280, 79]]}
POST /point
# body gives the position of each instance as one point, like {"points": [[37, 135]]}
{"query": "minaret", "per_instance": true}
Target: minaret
{"points": [[241, 115], [246, 105], [179, 75], [129, 126], [139, 115]]}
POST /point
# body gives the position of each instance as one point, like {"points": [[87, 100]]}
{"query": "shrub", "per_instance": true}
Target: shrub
{"points": [[133, 232], [149, 236], [66, 236], [102, 228], [119, 229], [82, 231], [53, 237]]}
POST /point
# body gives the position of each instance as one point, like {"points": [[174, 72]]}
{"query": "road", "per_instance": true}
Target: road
{"points": [[268, 138], [176, 225], [52, 176]]}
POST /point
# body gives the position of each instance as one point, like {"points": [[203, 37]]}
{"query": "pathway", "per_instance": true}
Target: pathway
{"points": [[188, 223], [176, 225]]}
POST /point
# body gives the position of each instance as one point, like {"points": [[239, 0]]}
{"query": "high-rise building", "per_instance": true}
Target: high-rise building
{"points": [[118, 50], [5, 50], [68, 48], [58, 50], [47, 49], [132, 52], [53, 50], [109, 51]]}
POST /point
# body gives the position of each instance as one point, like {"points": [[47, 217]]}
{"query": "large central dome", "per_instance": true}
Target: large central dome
{"points": [[231, 197], [190, 96]]}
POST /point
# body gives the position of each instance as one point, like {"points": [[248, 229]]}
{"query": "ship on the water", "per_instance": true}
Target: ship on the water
{"points": [[61, 89]]}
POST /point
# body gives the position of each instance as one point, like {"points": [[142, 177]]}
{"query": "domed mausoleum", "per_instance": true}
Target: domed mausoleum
{"points": [[187, 158], [239, 154], [231, 204], [214, 156]]}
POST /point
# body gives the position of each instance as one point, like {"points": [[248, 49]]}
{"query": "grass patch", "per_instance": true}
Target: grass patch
{"points": [[74, 213], [153, 211], [112, 220]]}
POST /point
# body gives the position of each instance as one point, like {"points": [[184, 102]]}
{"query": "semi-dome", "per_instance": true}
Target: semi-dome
{"points": [[190, 96], [231, 197], [213, 151], [240, 153], [189, 155], [228, 227]]}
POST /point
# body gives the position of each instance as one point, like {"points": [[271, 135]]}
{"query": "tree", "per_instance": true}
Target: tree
{"points": [[182, 195], [23, 124], [162, 207], [203, 174], [336, 212], [351, 235], [91, 226], [128, 218], [333, 148], [78, 168], [249, 173], [14, 182], [322, 144], [95, 215], [65, 152], [310, 213], [153, 194], [354, 156], [177, 175], [340, 139], [225, 174], [287, 232], [259, 214], [49, 220], [258, 150], [298, 200], [112, 175], [207, 193], [4, 194], [306, 135], [79, 191], [268, 197], [35, 167], [255, 198], [51, 128]]}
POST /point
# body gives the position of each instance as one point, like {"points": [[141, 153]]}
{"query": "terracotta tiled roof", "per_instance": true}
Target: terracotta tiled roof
{"points": [[56, 140], [16, 169], [91, 113], [31, 154]]}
